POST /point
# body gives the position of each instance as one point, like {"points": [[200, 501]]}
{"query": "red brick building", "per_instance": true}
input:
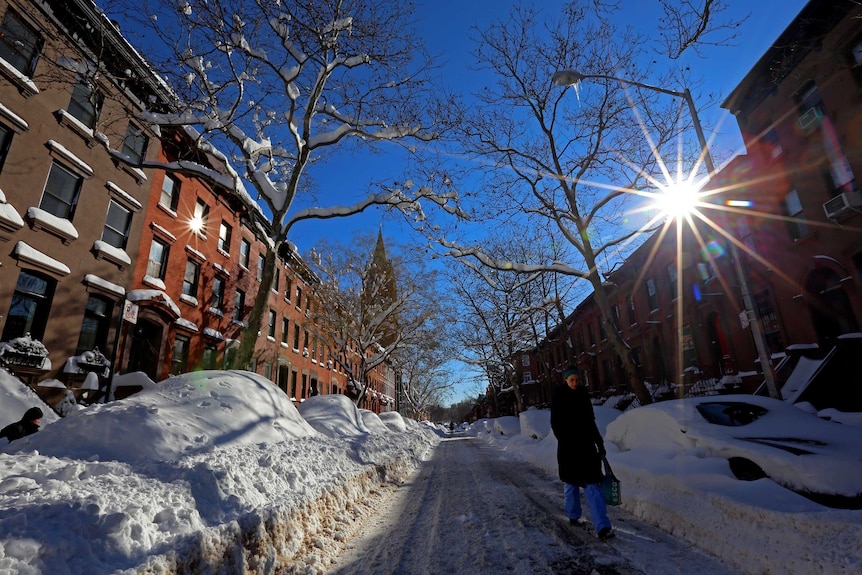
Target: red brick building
{"points": [[793, 205]]}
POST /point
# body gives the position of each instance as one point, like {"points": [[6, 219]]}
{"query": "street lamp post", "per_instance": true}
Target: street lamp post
{"points": [[571, 78]]}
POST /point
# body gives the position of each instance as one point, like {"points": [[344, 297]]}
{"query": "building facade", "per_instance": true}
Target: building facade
{"points": [[142, 269], [793, 210]]}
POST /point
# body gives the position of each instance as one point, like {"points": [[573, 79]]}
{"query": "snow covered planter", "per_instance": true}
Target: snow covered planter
{"points": [[92, 361], [24, 351]]}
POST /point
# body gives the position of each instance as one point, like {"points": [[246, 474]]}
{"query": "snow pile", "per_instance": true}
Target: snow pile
{"points": [[210, 471], [755, 526]]}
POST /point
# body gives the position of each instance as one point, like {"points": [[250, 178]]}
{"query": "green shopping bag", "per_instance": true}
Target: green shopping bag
{"points": [[610, 485]]}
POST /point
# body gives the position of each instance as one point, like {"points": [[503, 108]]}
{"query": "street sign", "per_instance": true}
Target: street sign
{"points": [[130, 312]]}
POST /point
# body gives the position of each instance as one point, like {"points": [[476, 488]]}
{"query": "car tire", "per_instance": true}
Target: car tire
{"points": [[745, 469]]}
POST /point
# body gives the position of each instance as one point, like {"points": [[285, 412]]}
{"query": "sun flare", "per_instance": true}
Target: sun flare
{"points": [[678, 199]]}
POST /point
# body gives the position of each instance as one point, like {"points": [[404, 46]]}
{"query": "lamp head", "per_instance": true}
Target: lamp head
{"points": [[567, 77]]}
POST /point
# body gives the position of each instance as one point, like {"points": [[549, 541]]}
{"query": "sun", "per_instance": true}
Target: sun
{"points": [[678, 199]]}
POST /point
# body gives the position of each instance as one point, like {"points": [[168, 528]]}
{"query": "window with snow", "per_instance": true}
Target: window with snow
{"points": [[61, 192], [224, 235], [118, 222], [200, 220], [261, 260], [285, 329], [191, 278], [158, 259], [170, 196], [210, 358], [85, 104], [134, 144], [20, 43], [271, 324], [31, 302], [180, 358], [244, 253], [95, 326], [217, 300], [239, 305]]}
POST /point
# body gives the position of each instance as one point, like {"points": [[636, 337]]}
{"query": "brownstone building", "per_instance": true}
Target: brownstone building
{"points": [[70, 212], [157, 271]]}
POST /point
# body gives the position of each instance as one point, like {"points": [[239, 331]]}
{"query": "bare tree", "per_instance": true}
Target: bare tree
{"points": [[503, 315], [692, 24], [273, 88], [372, 319], [425, 367], [571, 160]]}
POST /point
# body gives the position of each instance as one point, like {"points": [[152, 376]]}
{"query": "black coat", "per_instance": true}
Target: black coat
{"points": [[579, 442], [18, 430]]}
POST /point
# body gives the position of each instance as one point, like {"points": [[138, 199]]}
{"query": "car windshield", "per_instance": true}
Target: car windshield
{"points": [[731, 414]]}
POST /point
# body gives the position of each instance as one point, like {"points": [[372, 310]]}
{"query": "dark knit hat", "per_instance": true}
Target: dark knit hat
{"points": [[571, 371], [32, 414]]}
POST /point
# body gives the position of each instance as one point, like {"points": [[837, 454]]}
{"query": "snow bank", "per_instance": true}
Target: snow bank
{"points": [[333, 415]]}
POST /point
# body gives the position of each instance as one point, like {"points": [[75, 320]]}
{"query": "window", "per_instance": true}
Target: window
{"points": [[768, 322], [304, 385], [296, 336], [525, 360], [261, 261], [275, 278], [210, 359], [170, 193], [5, 142], [769, 141], [118, 222], [20, 44], [244, 252], [652, 295], [616, 317], [180, 359], [671, 279], [305, 340], [293, 383], [307, 304], [31, 302], [158, 260], [792, 207], [239, 305], [633, 312], [313, 350], [85, 104], [61, 192], [217, 300], [271, 325], [285, 329], [689, 356], [298, 297], [224, 235], [603, 335], [134, 144], [94, 328], [287, 288], [201, 217], [191, 278]]}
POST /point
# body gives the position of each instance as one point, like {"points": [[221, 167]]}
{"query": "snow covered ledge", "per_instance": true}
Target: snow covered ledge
{"points": [[24, 253]]}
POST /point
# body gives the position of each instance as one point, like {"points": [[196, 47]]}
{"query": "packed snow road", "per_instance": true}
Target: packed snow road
{"points": [[468, 510]]}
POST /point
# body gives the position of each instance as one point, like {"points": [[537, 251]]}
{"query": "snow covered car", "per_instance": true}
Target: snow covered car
{"points": [[759, 436]]}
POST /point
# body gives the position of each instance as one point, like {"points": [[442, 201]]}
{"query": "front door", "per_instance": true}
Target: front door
{"points": [[145, 346]]}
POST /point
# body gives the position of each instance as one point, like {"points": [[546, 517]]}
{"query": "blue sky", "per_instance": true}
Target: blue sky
{"points": [[445, 26]]}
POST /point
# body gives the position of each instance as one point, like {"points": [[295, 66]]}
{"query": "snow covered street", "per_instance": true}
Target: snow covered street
{"points": [[468, 510]]}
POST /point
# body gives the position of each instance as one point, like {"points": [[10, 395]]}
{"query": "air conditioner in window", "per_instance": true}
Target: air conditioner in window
{"points": [[842, 204], [810, 119]]}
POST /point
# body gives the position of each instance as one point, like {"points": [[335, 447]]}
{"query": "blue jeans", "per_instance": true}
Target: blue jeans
{"points": [[595, 500]]}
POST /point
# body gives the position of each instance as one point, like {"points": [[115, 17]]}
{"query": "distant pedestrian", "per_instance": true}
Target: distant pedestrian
{"points": [[580, 450], [28, 425]]}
